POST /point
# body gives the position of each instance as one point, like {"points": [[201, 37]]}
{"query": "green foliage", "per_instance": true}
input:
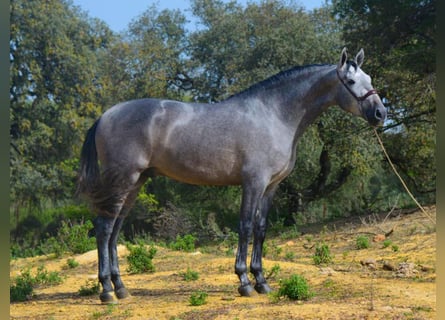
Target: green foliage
{"points": [[140, 258], [23, 286], [185, 243], [190, 275], [91, 288], [70, 238], [273, 273], [53, 95], [43, 277], [387, 243], [198, 298], [322, 254], [362, 242], [405, 70], [294, 288], [72, 263]]}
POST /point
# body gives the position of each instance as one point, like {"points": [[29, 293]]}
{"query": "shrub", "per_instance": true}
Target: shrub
{"points": [[362, 242], [70, 237], [76, 236], [72, 263], [185, 243], [190, 275], [322, 254], [140, 258], [295, 288], [387, 243], [22, 288], [43, 277], [23, 285], [198, 298]]}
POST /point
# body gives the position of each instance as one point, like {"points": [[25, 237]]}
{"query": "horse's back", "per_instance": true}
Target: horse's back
{"points": [[192, 143]]}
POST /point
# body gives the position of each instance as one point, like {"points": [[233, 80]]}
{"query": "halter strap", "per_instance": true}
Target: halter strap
{"points": [[361, 98]]}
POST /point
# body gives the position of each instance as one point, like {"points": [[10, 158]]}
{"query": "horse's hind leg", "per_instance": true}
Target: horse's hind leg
{"points": [[114, 204], [104, 226], [119, 288]]}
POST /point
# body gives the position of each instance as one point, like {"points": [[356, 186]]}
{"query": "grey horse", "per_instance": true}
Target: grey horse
{"points": [[248, 139]]}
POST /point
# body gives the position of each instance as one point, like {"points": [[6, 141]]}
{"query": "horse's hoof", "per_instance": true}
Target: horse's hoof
{"points": [[246, 290], [107, 297], [122, 293], [263, 288]]}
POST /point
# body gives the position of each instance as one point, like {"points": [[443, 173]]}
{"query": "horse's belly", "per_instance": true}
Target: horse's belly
{"points": [[200, 168]]}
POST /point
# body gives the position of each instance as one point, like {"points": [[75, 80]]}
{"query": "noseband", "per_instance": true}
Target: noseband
{"points": [[361, 98]]}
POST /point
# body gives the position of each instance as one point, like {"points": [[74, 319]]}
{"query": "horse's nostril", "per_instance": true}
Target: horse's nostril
{"points": [[378, 114]]}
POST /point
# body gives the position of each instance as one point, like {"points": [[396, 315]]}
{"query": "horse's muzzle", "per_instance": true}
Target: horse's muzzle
{"points": [[376, 116]]}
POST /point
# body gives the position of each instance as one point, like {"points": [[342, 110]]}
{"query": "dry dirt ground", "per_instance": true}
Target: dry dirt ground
{"points": [[356, 285]]}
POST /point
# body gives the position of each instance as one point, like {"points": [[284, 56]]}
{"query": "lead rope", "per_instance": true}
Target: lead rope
{"points": [[401, 180]]}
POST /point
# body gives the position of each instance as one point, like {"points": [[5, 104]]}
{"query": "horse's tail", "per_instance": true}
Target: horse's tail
{"points": [[89, 173]]}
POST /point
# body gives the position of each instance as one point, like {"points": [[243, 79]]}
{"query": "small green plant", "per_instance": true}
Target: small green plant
{"points": [[23, 285], [99, 314], [140, 258], [91, 287], [198, 298], [294, 288], [387, 243], [43, 277], [71, 237], [185, 243], [22, 288], [362, 242], [322, 254], [395, 248], [190, 275], [273, 273], [289, 256], [72, 263]]}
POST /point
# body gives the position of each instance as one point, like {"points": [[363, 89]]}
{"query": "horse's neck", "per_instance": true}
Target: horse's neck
{"points": [[302, 100]]}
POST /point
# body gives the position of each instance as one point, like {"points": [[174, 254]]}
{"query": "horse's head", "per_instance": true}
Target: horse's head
{"points": [[357, 94]]}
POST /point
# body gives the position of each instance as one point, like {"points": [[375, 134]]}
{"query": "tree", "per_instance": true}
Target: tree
{"points": [[158, 41], [54, 91], [236, 46], [404, 35]]}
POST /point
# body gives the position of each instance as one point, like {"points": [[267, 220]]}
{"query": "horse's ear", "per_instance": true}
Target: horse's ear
{"points": [[343, 59], [360, 57]]}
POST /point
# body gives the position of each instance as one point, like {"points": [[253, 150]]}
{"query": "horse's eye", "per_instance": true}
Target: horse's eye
{"points": [[351, 82]]}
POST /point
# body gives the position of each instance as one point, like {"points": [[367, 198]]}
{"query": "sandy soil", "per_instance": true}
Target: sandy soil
{"points": [[356, 285]]}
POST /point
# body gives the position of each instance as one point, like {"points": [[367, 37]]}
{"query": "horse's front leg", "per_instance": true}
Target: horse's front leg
{"points": [[259, 233], [249, 206]]}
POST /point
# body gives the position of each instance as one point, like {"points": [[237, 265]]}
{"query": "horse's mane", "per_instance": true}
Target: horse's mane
{"points": [[277, 78]]}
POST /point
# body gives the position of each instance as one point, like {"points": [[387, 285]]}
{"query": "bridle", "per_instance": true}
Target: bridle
{"points": [[361, 98]]}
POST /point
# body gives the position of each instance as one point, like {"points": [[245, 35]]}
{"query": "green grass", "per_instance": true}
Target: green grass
{"points": [[91, 288]]}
